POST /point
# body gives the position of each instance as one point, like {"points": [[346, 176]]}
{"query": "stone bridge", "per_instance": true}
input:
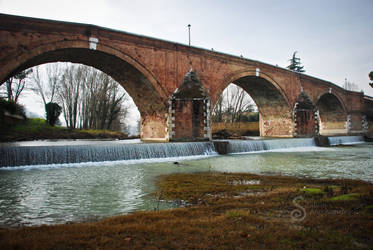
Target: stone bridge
{"points": [[174, 101]]}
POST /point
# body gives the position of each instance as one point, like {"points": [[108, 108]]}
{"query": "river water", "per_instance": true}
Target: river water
{"points": [[53, 194]]}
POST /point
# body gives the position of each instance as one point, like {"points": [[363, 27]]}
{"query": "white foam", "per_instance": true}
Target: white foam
{"points": [[246, 146], [109, 163], [43, 155], [289, 150], [345, 140]]}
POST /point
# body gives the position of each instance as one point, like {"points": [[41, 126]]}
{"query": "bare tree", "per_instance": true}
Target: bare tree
{"points": [[350, 86], [91, 99], [69, 93], [233, 103], [88, 101], [16, 84], [103, 102], [237, 103], [46, 81], [218, 112]]}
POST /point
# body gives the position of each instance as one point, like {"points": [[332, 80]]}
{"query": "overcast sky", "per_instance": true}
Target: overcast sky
{"points": [[334, 38]]}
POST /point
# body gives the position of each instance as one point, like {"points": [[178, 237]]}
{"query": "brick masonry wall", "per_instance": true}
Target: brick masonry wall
{"points": [[152, 69]]}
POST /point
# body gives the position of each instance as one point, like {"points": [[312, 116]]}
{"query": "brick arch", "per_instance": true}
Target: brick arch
{"points": [[273, 105], [63, 51], [138, 81], [247, 73], [332, 114], [335, 94]]}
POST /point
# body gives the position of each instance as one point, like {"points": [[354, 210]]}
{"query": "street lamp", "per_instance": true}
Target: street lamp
{"points": [[189, 33]]}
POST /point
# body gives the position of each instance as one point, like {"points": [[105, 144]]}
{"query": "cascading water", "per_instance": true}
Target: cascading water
{"points": [[264, 145], [345, 140], [42, 155]]}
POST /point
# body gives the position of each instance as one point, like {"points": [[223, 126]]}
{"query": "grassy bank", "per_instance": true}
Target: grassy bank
{"points": [[227, 211], [38, 129]]}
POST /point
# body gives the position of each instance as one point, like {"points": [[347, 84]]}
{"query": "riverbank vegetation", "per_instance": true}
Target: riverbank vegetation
{"points": [[38, 129], [226, 211]]}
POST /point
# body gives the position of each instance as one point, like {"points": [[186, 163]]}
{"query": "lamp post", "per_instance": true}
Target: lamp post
{"points": [[189, 32]]}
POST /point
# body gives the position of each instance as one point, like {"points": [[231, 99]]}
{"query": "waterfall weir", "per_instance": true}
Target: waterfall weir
{"points": [[42, 155], [345, 140], [237, 146], [58, 154]]}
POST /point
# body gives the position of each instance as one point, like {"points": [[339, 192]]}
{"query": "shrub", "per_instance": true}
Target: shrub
{"points": [[12, 107], [53, 111]]}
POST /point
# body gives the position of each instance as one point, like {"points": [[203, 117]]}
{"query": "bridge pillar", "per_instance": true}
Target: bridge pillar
{"points": [[190, 111], [305, 117], [154, 127], [355, 123], [368, 127], [368, 117]]}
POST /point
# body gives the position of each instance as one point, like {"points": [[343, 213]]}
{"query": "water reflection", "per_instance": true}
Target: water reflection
{"points": [[32, 196], [69, 194], [355, 162]]}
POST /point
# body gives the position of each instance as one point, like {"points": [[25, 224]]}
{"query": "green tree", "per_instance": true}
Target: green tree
{"points": [[371, 78], [53, 111], [11, 107], [295, 64]]}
